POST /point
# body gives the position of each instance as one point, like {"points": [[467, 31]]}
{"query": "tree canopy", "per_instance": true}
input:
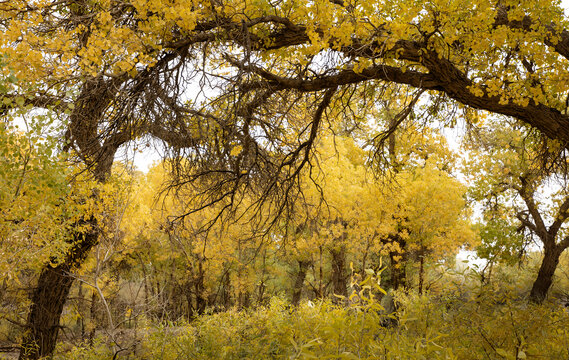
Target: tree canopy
{"points": [[239, 95]]}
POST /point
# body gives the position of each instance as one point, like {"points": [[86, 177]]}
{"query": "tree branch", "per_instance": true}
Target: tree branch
{"points": [[527, 196], [562, 215]]}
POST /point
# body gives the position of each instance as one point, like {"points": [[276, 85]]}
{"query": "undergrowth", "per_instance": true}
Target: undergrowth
{"points": [[486, 325]]}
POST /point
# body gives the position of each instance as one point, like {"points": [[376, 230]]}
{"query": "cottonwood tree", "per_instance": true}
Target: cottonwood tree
{"points": [[119, 72], [507, 170]]}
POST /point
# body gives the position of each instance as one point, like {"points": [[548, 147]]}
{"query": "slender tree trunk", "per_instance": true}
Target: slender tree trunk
{"points": [[299, 282], [545, 275], [49, 296], [320, 274], [485, 277], [189, 301], [262, 285], [81, 309], [201, 301], [226, 291], [421, 272], [146, 287], [93, 317]]}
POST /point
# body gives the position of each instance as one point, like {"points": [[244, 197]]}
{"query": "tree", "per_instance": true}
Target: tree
{"points": [[418, 211], [117, 72], [509, 178], [432, 216]]}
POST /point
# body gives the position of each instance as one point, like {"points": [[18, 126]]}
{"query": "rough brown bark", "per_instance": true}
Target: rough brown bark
{"points": [[48, 299], [545, 275]]}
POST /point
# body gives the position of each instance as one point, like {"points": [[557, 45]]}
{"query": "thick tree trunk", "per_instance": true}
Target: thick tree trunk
{"points": [[49, 297], [339, 279], [299, 281], [545, 275]]}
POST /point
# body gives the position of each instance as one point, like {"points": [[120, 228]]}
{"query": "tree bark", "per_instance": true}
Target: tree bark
{"points": [[339, 280], [299, 282], [49, 296], [545, 275]]}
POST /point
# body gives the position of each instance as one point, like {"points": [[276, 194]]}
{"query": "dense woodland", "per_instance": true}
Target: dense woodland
{"points": [[322, 163]]}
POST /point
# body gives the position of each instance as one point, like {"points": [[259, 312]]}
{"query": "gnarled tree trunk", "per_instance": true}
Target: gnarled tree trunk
{"points": [[54, 283]]}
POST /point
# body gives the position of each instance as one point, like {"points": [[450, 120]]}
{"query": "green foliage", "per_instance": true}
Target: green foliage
{"points": [[500, 241], [33, 195]]}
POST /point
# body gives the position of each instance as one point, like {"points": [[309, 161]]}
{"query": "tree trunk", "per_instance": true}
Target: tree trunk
{"points": [[320, 274], [94, 317], [49, 296], [262, 286], [421, 272], [81, 309], [545, 275], [226, 291], [299, 282], [339, 280], [201, 301], [398, 271]]}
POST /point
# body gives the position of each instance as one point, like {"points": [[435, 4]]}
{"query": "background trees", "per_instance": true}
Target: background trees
{"points": [[271, 77]]}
